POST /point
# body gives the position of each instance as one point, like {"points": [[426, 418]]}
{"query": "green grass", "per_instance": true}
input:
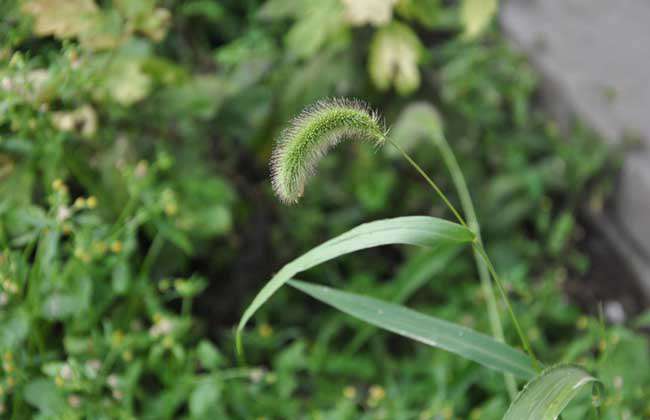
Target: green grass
{"points": [[137, 220]]}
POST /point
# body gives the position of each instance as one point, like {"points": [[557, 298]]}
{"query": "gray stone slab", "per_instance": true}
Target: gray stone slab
{"points": [[597, 52], [594, 58], [632, 210]]}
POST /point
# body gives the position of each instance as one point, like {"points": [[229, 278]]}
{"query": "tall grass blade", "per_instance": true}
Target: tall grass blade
{"points": [[411, 277], [425, 329], [410, 230]]}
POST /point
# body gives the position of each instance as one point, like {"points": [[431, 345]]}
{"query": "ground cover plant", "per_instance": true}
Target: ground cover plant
{"points": [[137, 220]]}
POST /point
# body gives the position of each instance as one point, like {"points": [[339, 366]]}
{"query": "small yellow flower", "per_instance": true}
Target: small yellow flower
{"points": [[127, 356], [116, 247], [582, 323], [79, 203], [117, 338], [376, 393], [171, 209], [91, 202], [265, 330], [100, 247], [350, 392], [58, 185], [59, 381]]}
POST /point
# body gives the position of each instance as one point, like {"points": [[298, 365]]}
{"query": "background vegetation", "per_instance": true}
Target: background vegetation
{"points": [[137, 219]]}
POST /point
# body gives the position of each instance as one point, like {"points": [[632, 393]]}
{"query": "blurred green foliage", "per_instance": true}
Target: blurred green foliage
{"points": [[136, 218]]}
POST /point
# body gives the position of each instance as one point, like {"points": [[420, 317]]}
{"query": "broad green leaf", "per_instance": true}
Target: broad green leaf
{"points": [[411, 230], [204, 399], [548, 394], [425, 329], [43, 394], [476, 15], [14, 329]]}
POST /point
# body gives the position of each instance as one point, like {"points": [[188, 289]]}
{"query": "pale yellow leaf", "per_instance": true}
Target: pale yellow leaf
{"points": [[374, 12], [394, 55], [61, 18], [476, 15]]}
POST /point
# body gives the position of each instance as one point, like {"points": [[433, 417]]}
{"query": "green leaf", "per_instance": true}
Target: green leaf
{"points": [[321, 21], [204, 398], [548, 394], [14, 329], [411, 230], [411, 277], [208, 355], [476, 15], [46, 396], [425, 329]]}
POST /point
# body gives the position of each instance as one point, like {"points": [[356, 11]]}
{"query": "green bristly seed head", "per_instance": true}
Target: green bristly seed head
{"points": [[312, 134]]}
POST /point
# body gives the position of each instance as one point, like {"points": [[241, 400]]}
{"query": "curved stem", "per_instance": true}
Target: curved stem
{"points": [[478, 247], [524, 341], [429, 181]]}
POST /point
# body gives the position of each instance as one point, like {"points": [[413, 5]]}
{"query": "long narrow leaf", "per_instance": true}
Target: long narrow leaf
{"points": [[548, 394], [412, 276], [426, 329], [411, 230]]}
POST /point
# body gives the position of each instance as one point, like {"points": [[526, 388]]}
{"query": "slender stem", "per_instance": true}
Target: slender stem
{"points": [[468, 209], [524, 341], [430, 182], [478, 247]]}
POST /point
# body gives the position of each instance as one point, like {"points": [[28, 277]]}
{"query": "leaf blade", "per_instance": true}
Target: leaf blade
{"points": [[410, 277], [425, 329], [545, 396], [410, 230]]}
